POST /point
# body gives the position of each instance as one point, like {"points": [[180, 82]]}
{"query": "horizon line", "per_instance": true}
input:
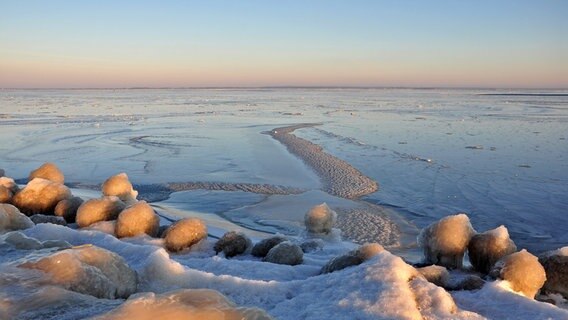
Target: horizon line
{"points": [[284, 87]]}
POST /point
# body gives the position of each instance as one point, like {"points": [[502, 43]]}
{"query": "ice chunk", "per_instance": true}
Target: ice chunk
{"points": [[555, 264], [320, 219], [232, 243], [68, 208], [185, 233], [20, 241], [40, 196], [444, 242], [89, 270], [136, 220], [48, 171], [522, 270], [12, 219], [285, 253], [102, 209], [190, 304], [486, 248], [262, 247], [42, 218], [120, 186], [107, 227]]}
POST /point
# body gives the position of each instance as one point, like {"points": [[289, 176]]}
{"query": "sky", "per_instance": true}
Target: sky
{"points": [[213, 43]]}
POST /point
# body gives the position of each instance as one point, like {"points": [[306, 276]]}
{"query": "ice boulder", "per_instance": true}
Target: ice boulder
{"points": [[189, 304], [2, 173], [444, 242], [353, 258], [555, 264], [67, 209], [232, 243], [102, 209], [486, 248], [285, 253], [523, 272], [120, 186], [320, 219], [48, 171], [5, 195], [9, 184], [184, 233], [136, 220], [41, 218], [262, 247], [40, 196], [89, 270], [12, 219], [22, 242]]}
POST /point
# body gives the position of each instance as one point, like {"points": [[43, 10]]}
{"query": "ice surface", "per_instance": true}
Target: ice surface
{"points": [[413, 142]]}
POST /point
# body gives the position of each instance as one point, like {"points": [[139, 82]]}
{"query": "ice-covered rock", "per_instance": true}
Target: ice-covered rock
{"points": [[40, 196], [312, 245], [285, 253], [262, 247], [232, 243], [438, 275], [120, 186], [48, 171], [352, 258], [102, 209], [444, 242], [88, 270], [320, 219], [555, 264], [42, 218], [2, 173], [184, 233], [486, 248], [522, 270], [189, 304], [12, 219], [5, 195], [9, 184], [68, 208], [136, 220]]}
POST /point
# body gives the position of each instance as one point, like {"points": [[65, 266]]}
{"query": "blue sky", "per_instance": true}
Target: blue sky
{"points": [[264, 43]]}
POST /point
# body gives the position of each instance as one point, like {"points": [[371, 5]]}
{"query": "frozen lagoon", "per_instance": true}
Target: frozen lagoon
{"points": [[500, 158], [432, 152]]}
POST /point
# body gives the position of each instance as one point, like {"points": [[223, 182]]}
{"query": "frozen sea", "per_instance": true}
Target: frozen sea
{"points": [[498, 155]]}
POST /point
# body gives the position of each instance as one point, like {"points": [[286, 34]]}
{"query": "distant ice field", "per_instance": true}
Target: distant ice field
{"points": [[494, 154]]}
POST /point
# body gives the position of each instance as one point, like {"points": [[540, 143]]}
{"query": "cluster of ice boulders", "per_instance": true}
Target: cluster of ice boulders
{"points": [[491, 253]]}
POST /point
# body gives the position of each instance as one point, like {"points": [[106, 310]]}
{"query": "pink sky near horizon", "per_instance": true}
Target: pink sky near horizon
{"points": [[78, 45]]}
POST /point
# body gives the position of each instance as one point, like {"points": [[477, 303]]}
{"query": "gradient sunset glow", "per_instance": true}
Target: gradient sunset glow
{"points": [[72, 44]]}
